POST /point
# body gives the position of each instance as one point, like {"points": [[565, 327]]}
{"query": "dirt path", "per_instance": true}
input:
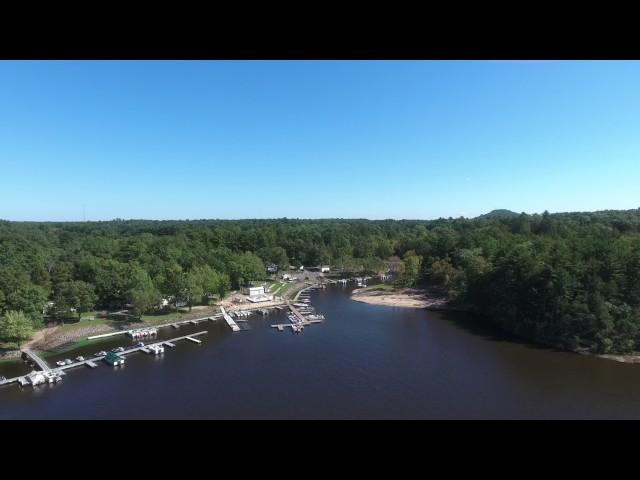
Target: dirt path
{"points": [[41, 337]]}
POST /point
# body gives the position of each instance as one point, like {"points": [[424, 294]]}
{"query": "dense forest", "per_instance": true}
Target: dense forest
{"points": [[568, 279]]}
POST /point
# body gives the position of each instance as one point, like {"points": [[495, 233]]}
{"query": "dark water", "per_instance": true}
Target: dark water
{"points": [[363, 362]]}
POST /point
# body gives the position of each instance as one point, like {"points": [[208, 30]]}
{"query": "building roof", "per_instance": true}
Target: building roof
{"points": [[113, 357]]}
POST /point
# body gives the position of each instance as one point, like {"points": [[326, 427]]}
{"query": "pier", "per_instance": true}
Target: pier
{"points": [[234, 326], [176, 325], [44, 366], [52, 375], [297, 319], [301, 315]]}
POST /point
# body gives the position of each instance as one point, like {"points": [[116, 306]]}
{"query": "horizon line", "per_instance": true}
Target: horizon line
{"points": [[118, 219]]}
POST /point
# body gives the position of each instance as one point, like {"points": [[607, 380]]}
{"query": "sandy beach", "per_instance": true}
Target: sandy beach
{"points": [[405, 297]]}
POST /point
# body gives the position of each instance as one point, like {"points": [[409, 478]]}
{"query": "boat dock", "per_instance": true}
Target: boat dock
{"points": [[176, 325], [54, 374], [234, 326], [44, 366], [298, 320]]}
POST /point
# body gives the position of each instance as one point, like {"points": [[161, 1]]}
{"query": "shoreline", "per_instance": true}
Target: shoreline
{"points": [[437, 301], [403, 297], [48, 341]]}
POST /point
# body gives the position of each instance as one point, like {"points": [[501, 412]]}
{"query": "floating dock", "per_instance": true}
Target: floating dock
{"points": [[176, 325], [297, 319], [52, 375]]}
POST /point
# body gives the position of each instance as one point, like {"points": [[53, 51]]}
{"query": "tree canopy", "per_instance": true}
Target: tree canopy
{"points": [[568, 279]]}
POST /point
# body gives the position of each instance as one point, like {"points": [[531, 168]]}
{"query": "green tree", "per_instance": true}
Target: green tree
{"points": [[412, 265], [29, 299], [15, 327], [193, 286], [75, 296], [143, 294]]}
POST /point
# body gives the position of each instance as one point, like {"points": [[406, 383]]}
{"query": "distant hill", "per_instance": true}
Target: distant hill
{"points": [[500, 213]]}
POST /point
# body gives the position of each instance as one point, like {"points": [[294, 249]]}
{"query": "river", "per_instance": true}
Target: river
{"points": [[363, 362]]}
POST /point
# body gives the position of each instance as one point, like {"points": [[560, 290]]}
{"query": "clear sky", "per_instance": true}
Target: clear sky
{"points": [[316, 139]]}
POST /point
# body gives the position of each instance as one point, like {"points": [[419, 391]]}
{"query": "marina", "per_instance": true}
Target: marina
{"points": [[301, 314], [414, 356], [152, 331], [47, 374]]}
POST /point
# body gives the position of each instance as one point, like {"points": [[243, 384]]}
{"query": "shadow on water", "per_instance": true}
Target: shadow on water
{"points": [[482, 326]]}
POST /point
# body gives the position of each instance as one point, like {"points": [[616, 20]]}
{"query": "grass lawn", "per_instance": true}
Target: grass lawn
{"points": [[284, 286], [276, 287], [382, 286], [164, 317], [287, 287], [68, 327], [167, 317]]}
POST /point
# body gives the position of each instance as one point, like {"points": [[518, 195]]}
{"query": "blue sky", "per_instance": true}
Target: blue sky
{"points": [[316, 139]]}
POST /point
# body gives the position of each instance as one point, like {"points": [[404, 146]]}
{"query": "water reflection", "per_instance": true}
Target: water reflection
{"points": [[364, 361]]}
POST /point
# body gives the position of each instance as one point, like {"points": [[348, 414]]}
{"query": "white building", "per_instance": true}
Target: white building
{"points": [[257, 295], [324, 268], [256, 291]]}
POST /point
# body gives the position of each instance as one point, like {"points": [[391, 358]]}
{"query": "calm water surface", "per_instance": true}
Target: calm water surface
{"points": [[363, 362]]}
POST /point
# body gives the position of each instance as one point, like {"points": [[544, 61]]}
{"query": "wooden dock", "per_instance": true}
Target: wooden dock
{"points": [[91, 363], [176, 325], [44, 366], [234, 326], [296, 324]]}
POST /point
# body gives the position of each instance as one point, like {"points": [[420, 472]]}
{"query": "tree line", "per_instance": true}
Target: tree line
{"points": [[567, 279]]}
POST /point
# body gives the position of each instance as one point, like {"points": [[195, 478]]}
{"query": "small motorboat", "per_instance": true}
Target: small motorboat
{"points": [[100, 354], [141, 344], [80, 358], [61, 363], [68, 361], [2, 379]]}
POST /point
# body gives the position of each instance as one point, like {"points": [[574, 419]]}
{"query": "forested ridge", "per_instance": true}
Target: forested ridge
{"points": [[567, 279]]}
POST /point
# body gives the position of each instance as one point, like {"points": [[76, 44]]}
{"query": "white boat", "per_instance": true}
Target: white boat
{"points": [[80, 358], [60, 363], [156, 349]]}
